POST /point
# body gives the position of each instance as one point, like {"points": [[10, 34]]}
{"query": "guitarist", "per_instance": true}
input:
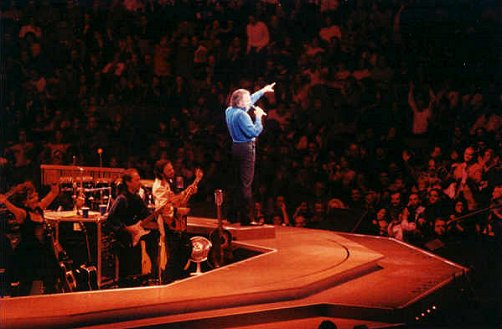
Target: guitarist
{"points": [[127, 210], [172, 220]]}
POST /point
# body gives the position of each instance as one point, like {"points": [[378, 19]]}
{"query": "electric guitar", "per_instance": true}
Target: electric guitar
{"points": [[177, 222], [136, 231]]}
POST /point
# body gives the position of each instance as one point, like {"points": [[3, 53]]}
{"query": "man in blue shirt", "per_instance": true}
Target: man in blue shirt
{"points": [[244, 131]]}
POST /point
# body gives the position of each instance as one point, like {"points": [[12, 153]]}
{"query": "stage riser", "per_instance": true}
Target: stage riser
{"points": [[204, 226], [393, 317], [301, 274]]}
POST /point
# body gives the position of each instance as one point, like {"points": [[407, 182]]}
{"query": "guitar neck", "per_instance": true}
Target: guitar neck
{"points": [[151, 216], [87, 245], [189, 192]]}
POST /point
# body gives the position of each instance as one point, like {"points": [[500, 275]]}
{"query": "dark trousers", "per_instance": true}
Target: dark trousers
{"points": [[244, 155], [34, 261], [130, 258], [178, 252]]}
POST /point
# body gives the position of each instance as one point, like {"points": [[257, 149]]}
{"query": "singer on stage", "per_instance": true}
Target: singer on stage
{"points": [[244, 131]]}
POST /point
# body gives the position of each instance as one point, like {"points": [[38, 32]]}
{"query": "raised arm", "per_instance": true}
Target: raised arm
{"points": [[268, 88], [257, 95], [285, 215], [411, 97], [50, 197], [19, 214]]}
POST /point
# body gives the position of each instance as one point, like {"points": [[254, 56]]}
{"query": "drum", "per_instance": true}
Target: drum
{"points": [[66, 184], [102, 191], [87, 181]]}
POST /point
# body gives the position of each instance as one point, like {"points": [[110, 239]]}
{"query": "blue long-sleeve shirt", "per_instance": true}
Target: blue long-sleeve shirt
{"points": [[239, 123]]}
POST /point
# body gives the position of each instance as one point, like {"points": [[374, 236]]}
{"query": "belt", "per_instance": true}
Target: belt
{"points": [[242, 143], [177, 232]]}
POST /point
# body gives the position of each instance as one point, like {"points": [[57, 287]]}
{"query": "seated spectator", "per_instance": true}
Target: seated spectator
{"points": [[395, 228], [489, 162], [396, 207], [467, 177], [356, 199], [22, 151], [493, 227], [279, 212], [434, 207], [302, 211], [440, 228], [300, 221], [412, 220], [458, 225], [380, 223], [318, 216], [371, 200], [57, 151], [259, 215], [488, 119]]}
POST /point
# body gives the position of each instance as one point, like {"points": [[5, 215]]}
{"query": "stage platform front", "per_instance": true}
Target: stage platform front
{"points": [[298, 278]]}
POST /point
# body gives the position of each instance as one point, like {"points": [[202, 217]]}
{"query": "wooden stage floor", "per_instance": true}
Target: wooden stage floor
{"points": [[299, 278]]}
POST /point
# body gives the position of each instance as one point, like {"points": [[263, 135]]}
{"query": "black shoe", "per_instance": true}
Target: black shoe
{"points": [[232, 220], [253, 223], [152, 282]]}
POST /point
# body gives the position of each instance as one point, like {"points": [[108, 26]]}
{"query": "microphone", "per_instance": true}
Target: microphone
{"points": [[100, 153], [255, 108]]}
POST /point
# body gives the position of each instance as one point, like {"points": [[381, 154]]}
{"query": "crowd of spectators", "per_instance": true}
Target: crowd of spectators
{"points": [[391, 107]]}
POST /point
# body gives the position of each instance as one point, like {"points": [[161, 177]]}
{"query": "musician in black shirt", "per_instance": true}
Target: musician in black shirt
{"points": [[35, 264], [127, 216]]}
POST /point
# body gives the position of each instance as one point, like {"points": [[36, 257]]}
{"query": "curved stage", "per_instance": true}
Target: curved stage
{"points": [[299, 278]]}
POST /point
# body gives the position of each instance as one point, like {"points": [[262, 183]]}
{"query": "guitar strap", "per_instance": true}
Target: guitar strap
{"points": [[113, 225]]}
